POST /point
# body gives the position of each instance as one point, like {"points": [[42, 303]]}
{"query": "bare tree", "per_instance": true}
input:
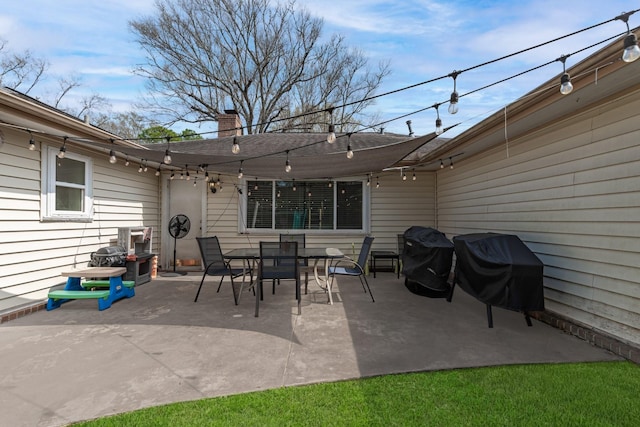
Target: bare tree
{"points": [[20, 71], [127, 124], [25, 72], [267, 61]]}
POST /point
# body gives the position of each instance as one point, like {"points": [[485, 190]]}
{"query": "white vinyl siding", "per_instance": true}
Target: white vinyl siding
{"points": [[34, 252], [572, 194]]}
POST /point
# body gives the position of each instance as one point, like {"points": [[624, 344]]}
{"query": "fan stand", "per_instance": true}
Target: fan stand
{"points": [[174, 273]]}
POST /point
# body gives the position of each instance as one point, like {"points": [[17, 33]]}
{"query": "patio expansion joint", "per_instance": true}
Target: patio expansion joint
{"points": [[289, 351]]}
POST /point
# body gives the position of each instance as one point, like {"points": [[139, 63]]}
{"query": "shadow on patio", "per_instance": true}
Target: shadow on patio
{"points": [[76, 362]]}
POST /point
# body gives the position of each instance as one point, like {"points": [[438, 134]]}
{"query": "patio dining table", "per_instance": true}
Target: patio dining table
{"points": [[327, 255]]}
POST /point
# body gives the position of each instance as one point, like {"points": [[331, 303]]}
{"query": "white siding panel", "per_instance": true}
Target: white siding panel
{"points": [[33, 252], [572, 193]]}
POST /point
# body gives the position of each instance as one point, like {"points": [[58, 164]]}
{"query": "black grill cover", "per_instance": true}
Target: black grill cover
{"points": [[499, 270], [427, 257]]}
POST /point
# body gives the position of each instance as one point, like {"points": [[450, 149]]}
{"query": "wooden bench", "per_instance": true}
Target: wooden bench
{"points": [[75, 288]]}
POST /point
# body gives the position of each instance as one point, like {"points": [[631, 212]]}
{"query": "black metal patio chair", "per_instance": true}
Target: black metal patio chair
{"points": [[216, 265], [278, 261], [349, 267]]}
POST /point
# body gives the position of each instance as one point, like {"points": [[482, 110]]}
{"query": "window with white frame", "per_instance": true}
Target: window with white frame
{"points": [[305, 205], [67, 191]]}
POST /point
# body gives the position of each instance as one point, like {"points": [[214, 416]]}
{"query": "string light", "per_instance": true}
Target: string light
{"points": [[368, 180], [145, 166], [167, 154], [453, 100], [628, 44], [195, 181], [173, 175], [408, 122], [287, 165], [206, 176], [112, 155], [32, 143], [565, 81], [377, 182], [235, 149], [140, 168], [404, 176], [439, 129], [240, 172], [441, 164], [349, 150], [63, 149], [126, 161], [451, 164], [158, 171], [331, 136], [414, 177], [631, 50]]}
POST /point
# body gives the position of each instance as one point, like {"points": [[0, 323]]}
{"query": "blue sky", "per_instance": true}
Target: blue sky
{"points": [[422, 40]]}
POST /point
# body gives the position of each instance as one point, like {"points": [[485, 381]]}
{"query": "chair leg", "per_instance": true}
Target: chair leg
{"points": [[200, 287], [233, 289], [306, 282], [220, 284], [367, 283], [298, 296], [258, 297]]}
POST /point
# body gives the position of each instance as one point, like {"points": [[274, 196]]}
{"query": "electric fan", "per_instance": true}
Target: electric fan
{"points": [[179, 227]]}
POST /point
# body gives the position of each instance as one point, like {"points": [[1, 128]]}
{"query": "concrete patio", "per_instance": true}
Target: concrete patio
{"points": [[76, 363]]}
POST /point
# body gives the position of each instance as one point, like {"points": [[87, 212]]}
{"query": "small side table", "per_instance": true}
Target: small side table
{"points": [[394, 257]]}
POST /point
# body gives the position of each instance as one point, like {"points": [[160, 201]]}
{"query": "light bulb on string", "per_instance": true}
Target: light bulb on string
{"points": [[63, 149], [240, 172], [349, 150], [167, 154], [441, 164], [145, 166], [451, 164], [206, 176], [368, 180], [235, 149], [195, 181], [331, 136], [414, 177], [173, 175], [453, 100], [631, 50], [126, 161], [112, 155], [377, 182], [158, 171], [438, 120], [287, 165], [32, 143], [565, 81], [140, 168]]}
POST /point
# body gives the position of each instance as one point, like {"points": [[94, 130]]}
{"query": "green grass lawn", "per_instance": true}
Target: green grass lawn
{"points": [[581, 394]]}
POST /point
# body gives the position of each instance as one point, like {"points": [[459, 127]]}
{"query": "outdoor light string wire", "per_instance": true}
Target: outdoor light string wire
{"points": [[454, 74]]}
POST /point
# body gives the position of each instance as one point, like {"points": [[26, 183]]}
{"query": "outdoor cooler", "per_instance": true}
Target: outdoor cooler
{"points": [[427, 257], [499, 270]]}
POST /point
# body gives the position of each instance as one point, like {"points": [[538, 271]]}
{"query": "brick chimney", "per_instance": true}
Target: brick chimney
{"points": [[229, 124]]}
